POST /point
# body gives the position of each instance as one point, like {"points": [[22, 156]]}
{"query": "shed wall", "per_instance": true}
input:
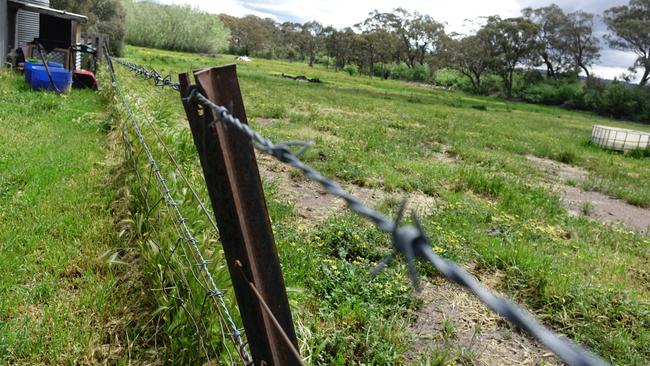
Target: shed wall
{"points": [[28, 24], [4, 32]]}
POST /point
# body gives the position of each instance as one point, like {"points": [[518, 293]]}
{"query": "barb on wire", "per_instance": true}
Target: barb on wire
{"points": [[166, 81], [409, 240], [180, 223], [159, 80], [412, 242]]}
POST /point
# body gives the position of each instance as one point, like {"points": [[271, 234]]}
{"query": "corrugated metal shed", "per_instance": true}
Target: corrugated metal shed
{"points": [[27, 23], [4, 31]]}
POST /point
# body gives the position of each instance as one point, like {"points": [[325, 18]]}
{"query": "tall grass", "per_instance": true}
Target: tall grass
{"points": [[173, 27]]}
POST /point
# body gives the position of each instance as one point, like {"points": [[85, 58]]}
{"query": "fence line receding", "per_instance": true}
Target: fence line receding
{"points": [[408, 240]]}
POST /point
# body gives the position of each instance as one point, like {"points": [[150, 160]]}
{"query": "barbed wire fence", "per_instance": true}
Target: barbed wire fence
{"points": [[408, 240], [187, 282]]}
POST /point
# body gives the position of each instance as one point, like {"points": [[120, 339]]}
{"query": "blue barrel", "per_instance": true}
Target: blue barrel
{"points": [[29, 65], [41, 81]]}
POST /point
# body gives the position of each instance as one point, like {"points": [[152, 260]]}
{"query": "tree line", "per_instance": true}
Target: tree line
{"points": [[547, 36], [535, 57]]}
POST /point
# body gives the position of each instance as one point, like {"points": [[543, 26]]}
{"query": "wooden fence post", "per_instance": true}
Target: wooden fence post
{"points": [[232, 177]]}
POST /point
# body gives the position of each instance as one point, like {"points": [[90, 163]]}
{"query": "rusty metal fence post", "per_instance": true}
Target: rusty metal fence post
{"points": [[235, 189]]}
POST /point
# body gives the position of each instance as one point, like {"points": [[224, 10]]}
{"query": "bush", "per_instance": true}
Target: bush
{"points": [[420, 73], [620, 101], [351, 69], [562, 93], [326, 61], [400, 71], [381, 70], [174, 27]]}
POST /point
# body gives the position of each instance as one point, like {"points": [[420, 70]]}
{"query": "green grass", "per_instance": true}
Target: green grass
{"points": [[59, 303], [578, 276]]}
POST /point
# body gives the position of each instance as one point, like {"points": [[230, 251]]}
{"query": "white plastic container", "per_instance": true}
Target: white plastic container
{"points": [[619, 138]]}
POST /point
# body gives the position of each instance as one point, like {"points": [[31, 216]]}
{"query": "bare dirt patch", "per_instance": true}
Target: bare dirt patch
{"points": [[455, 322], [559, 171], [312, 202], [603, 208], [263, 121], [594, 205]]}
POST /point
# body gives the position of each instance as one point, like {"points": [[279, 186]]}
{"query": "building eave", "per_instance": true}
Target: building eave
{"points": [[17, 4]]}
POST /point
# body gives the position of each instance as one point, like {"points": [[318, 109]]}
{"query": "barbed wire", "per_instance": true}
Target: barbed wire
{"points": [[149, 74], [409, 240], [180, 224]]}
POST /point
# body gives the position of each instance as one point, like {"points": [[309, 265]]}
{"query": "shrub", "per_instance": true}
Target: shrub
{"points": [[400, 71], [351, 69], [420, 73], [554, 92], [450, 78], [174, 27], [326, 61], [381, 70], [619, 101]]}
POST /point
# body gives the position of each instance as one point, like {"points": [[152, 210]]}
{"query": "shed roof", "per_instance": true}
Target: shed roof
{"points": [[18, 4]]}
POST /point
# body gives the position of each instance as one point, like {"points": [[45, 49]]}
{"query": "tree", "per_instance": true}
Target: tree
{"points": [[377, 43], [513, 41], [472, 57], [418, 35], [424, 35], [579, 40], [340, 45], [551, 22], [250, 34], [631, 32], [311, 40], [104, 16], [289, 36]]}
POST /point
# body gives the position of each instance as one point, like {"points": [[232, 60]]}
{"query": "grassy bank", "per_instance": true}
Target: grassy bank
{"points": [[59, 303], [585, 279]]}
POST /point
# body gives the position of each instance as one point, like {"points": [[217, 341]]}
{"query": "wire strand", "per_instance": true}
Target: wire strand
{"points": [[409, 240]]}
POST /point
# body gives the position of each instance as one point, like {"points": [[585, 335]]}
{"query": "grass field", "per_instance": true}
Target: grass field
{"points": [[579, 276], [59, 303]]}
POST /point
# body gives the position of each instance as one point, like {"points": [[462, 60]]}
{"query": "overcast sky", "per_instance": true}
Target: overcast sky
{"points": [[455, 13]]}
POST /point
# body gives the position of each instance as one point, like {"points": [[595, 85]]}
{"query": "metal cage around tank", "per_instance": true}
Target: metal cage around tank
{"points": [[619, 139]]}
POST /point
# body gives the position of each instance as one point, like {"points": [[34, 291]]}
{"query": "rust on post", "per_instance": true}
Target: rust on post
{"points": [[234, 185]]}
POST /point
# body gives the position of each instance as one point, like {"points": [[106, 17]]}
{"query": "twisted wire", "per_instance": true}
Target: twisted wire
{"points": [[409, 240]]}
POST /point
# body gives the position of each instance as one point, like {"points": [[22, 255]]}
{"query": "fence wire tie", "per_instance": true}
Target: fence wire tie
{"points": [[215, 293]]}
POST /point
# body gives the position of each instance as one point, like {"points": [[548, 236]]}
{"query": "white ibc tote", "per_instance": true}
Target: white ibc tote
{"points": [[619, 138]]}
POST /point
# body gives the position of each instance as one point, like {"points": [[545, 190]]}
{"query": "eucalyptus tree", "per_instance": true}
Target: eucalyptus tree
{"points": [[340, 45], [289, 36], [250, 34], [579, 40], [513, 43], [417, 35], [311, 40], [552, 24], [630, 26], [377, 43], [471, 56]]}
